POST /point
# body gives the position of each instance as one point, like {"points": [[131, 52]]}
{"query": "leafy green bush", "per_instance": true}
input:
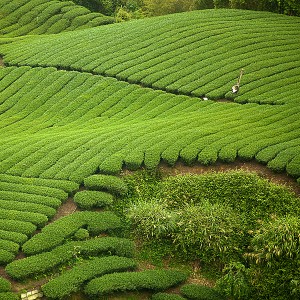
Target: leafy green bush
{"points": [[44, 262], [9, 246], [200, 292], [130, 281], [57, 232], [5, 285], [235, 283], [16, 237], [166, 296], [81, 234], [275, 259], [90, 199], [71, 280], [6, 257], [108, 183], [211, 232]]}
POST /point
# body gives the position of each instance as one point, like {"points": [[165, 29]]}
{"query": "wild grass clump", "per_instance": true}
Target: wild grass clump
{"points": [[235, 221]]}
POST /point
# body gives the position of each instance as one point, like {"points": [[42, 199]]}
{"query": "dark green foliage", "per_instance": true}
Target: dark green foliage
{"points": [[5, 285], [166, 296], [72, 280], [200, 292], [108, 183], [130, 281], [91, 199], [59, 231], [61, 255]]}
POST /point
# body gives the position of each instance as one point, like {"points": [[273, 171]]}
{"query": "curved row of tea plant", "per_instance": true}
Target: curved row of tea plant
{"points": [[131, 281], [25, 205], [72, 280], [181, 53], [70, 251], [63, 229], [5, 290], [22, 17], [61, 135]]}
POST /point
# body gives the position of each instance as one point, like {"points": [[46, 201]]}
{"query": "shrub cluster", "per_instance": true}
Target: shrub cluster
{"points": [[91, 199], [57, 232], [200, 292], [44, 262], [71, 280], [130, 281], [9, 296], [112, 184]]}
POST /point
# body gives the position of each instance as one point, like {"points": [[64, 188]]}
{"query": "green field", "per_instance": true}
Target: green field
{"points": [[81, 95]]}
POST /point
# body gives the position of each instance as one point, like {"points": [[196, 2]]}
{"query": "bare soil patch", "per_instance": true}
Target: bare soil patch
{"points": [[65, 209]]}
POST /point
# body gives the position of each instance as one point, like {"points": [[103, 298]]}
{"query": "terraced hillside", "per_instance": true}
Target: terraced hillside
{"points": [[78, 121], [21, 17], [101, 98]]}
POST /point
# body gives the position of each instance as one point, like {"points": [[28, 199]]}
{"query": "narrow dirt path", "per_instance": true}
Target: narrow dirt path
{"points": [[1, 62]]}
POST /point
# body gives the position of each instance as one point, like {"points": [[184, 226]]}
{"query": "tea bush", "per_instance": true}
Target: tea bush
{"points": [[108, 183], [72, 280], [130, 281], [59, 231], [200, 292], [61, 255], [8, 296], [5, 285], [90, 199], [18, 238], [6, 257]]}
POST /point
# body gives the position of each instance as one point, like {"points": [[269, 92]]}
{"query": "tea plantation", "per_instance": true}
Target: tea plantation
{"points": [[83, 98]]}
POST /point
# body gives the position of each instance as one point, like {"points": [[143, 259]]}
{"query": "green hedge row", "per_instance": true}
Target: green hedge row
{"points": [[131, 281], [35, 218], [59, 231], [17, 226], [9, 296], [91, 199], [9, 246], [5, 285], [36, 190], [30, 198], [200, 292], [72, 280], [34, 208], [29, 18], [18, 238], [108, 183], [44, 262], [6, 257]]}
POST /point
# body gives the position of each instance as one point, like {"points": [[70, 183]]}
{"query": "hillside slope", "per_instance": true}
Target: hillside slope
{"points": [[21, 17], [61, 118]]}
